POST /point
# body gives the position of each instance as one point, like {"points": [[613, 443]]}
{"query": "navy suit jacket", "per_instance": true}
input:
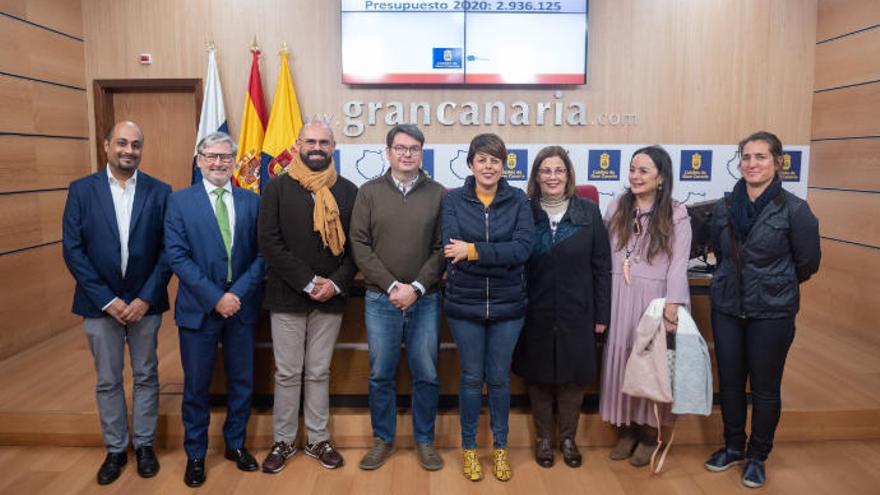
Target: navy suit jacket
{"points": [[91, 245], [197, 255]]}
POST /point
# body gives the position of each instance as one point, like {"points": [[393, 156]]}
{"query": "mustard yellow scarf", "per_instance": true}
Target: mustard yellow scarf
{"points": [[326, 213]]}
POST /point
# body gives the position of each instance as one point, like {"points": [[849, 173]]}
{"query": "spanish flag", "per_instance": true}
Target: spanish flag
{"points": [[284, 125], [253, 129]]}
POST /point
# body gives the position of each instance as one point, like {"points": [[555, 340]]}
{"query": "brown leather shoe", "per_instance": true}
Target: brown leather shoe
{"points": [[544, 452], [277, 457], [570, 453], [325, 453]]}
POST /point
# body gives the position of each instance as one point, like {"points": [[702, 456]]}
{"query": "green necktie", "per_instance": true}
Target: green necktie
{"points": [[223, 221]]}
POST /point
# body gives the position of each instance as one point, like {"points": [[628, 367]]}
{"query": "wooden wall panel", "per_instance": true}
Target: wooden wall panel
{"points": [[848, 163], [37, 293], [24, 162], [27, 50], [61, 15], [847, 215], [38, 41], [30, 219], [847, 112], [850, 60], [837, 17], [39, 108], [843, 295], [59, 285], [693, 72]]}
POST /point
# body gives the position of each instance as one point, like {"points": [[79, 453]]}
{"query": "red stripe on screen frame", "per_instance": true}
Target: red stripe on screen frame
{"points": [[457, 78], [535, 79]]}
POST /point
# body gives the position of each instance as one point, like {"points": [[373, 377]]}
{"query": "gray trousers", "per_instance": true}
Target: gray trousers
{"points": [[303, 345], [107, 342], [568, 399]]}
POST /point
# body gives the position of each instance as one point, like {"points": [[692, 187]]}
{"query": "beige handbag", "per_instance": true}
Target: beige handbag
{"points": [[648, 372]]}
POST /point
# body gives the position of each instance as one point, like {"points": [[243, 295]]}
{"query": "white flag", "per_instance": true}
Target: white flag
{"points": [[213, 116]]}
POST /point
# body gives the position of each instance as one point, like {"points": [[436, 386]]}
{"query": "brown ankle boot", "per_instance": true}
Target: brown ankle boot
{"points": [[647, 443], [627, 438]]}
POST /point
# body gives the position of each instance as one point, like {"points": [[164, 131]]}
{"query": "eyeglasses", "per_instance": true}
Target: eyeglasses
{"points": [[549, 172], [223, 157], [311, 143], [401, 150]]}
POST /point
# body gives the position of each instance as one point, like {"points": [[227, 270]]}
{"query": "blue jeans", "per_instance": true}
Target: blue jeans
{"points": [[485, 348], [419, 328]]}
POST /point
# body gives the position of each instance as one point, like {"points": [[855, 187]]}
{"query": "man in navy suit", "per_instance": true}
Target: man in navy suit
{"points": [[113, 247], [211, 244]]}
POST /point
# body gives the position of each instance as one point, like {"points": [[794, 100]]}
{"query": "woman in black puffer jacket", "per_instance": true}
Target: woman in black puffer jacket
{"points": [[766, 241], [489, 230]]}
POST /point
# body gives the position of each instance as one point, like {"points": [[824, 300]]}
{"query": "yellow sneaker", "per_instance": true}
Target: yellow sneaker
{"points": [[501, 468], [472, 469]]}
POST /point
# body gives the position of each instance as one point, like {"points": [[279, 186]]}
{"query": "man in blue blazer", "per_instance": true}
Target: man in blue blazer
{"points": [[113, 247], [211, 244]]}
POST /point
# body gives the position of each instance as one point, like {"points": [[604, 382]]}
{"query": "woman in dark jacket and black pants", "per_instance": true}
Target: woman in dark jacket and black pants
{"points": [[569, 283], [766, 241], [488, 227]]}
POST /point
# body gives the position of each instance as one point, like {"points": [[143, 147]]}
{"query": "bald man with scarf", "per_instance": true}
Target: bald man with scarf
{"points": [[303, 226]]}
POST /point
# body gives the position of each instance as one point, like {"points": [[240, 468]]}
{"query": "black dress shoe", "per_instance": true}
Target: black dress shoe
{"points": [[148, 464], [243, 459], [195, 472], [544, 452], [570, 453], [111, 468]]}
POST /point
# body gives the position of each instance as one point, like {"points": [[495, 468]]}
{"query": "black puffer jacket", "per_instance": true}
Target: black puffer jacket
{"points": [[780, 252], [494, 286]]}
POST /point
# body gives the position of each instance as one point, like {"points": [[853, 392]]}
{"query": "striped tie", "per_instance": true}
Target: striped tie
{"points": [[223, 221]]}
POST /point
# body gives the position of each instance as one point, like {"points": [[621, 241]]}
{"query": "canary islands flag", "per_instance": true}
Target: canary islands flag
{"points": [[213, 116], [253, 128], [284, 125]]}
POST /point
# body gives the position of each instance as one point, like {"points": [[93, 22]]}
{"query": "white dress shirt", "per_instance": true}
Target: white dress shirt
{"points": [[123, 202], [230, 206]]}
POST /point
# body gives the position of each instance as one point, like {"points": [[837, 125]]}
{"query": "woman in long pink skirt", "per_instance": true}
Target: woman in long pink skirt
{"points": [[650, 237]]}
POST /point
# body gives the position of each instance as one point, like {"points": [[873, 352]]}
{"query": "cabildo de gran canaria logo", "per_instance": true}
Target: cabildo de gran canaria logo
{"points": [[603, 165], [428, 162], [791, 166], [696, 165], [447, 58], [515, 166]]}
